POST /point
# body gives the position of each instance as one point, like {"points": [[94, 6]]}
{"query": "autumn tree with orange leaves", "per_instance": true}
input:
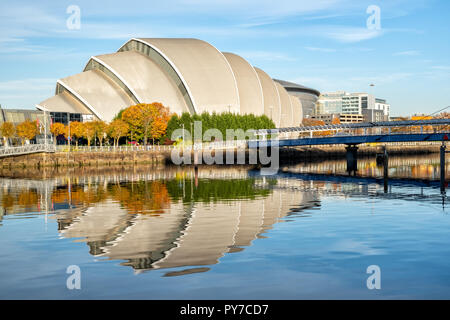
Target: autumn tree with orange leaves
{"points": [[88, 131], [58, 129], [132, 116], [27, 130], [100, 128], [117, 129], [146, 120], [7, 130], [336, 120], [308, 122], [160, 117], [76, 131]]}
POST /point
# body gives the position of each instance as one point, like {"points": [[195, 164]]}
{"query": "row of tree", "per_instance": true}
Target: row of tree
{"points": [[26, 130], [220, 121], [141, 122]]}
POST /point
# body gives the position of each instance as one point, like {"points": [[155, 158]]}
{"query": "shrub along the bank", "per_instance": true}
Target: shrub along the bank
{"points": [[220, 121]]}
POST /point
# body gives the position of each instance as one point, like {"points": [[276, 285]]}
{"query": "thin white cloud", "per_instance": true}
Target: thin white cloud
{"points": [[320, 49], [350, 34], [407, 53], [443, 68]]}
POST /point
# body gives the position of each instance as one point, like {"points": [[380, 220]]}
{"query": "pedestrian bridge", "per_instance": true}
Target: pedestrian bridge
{"points": [[350, 140], [26, 149], [355, 133]]}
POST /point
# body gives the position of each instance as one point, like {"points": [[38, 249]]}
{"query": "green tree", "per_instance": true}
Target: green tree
{"points": [[173, 124]]}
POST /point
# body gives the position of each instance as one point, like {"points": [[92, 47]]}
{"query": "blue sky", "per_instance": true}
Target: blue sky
{"points": [[324, 44]]}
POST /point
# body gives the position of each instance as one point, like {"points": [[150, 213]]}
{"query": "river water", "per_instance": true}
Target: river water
{"points": [[309, 232]]}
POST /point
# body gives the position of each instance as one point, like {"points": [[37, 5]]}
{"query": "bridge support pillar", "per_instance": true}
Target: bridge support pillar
{"points": [[352, 158], [442, 167], [385, 169]]}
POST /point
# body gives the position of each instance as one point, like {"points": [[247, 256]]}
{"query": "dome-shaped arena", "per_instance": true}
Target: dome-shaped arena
{"points": [[186, 75]]}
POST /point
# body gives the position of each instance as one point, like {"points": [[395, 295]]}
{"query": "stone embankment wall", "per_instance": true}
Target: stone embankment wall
{"points": [[337, 152], [82, 159]]}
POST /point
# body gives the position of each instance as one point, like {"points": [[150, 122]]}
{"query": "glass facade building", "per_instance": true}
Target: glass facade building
{"points": [[341, 102]]}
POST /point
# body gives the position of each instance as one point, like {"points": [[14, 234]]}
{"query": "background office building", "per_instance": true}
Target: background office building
{"points": [[328, 118], [329, 103], [362, 104], [381, 104]]}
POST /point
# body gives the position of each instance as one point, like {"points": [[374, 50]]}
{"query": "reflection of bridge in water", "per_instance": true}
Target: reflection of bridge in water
{"points": [[412, 167], [323, 185]]}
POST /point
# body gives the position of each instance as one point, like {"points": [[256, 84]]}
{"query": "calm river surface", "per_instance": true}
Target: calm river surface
{"points": [[309, 232]]}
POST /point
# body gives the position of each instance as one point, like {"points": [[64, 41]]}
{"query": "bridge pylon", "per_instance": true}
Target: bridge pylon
{"points": [[352, 158], [442, 166]]}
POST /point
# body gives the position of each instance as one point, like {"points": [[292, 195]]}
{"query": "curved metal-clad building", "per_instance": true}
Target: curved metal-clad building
{"points": [[186, 75], [287, 114], [307, 96], [297, 109], [250, 90], [141, 77], [272, 106]]}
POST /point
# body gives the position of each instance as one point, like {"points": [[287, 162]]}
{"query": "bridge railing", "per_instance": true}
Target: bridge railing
{"points": [[438, 124], [25, 149], [323, 133]]}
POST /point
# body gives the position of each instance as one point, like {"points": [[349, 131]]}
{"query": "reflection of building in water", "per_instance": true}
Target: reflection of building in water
{"points": [[186, 234]]}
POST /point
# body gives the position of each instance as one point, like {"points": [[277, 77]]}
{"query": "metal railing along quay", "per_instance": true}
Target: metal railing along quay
{"points": [[231, 144], [66, 148]]}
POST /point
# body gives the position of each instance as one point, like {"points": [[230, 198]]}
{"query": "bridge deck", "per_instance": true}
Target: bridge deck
{"points": [[360, 125], [27, 149], [350, 140]]}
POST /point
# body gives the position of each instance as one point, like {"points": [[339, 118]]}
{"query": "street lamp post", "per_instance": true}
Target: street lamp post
{"points": [[69, 138], [45, 130]]}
